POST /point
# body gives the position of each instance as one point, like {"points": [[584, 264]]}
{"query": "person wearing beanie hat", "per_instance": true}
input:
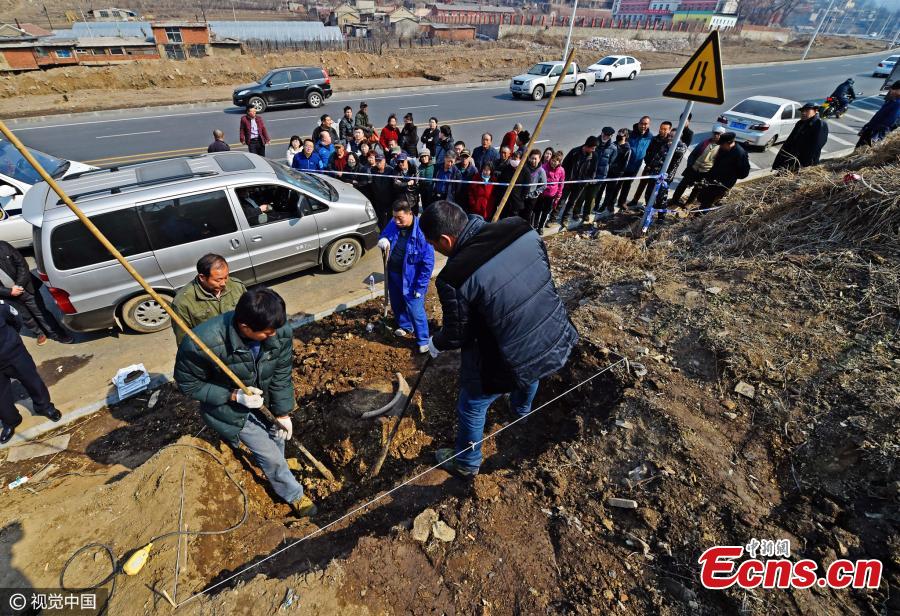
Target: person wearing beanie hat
{"points": [[362, 119], [425, 173], [804, 145]]}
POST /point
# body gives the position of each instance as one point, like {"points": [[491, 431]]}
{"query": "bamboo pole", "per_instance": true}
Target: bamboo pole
{"points": [[140, 280], [534, 136]]}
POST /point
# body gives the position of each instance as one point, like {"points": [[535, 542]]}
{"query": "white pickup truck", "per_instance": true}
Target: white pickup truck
{"points": [[541, 78]]}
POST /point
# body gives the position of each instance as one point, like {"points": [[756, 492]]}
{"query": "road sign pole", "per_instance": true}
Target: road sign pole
{"points": [[650, 209], [571, 25]]}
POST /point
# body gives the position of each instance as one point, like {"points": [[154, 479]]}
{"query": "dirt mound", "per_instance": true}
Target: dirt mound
{"points": [[819, 210], [216, 71], [760, 402]]}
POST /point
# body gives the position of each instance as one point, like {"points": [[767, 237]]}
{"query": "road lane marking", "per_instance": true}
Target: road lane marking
{"points": [[866, 103], [156, 117], [133, 158], [753, 165], [541, 141], [756, 74], [839, 140], [297, 118], [227, 106], [146, 132], [857, 118], [418, 107], [852, 131]]}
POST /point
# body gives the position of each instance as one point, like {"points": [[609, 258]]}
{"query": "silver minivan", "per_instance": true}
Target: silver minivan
{"points": [[266, 219]]}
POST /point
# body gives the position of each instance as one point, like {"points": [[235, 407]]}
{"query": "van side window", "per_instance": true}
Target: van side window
{"points": [[308, 206], [187, 219], [72, 245], [267, 203]]}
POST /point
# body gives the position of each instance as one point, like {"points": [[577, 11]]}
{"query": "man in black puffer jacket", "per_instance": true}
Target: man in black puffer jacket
{"points": [[502, 310]]}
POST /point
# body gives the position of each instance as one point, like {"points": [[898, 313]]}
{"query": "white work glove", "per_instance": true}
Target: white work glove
{"points": [[285, 428], [433, 350], [384, 244], [253, 401]]}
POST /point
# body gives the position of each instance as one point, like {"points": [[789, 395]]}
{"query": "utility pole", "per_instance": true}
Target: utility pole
{"points": [[894, 42], [569, 38], [47, 13], [816, 33]]}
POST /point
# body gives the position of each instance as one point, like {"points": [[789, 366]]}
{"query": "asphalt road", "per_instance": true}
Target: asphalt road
{"points": [[141, 134], [79, 374]]}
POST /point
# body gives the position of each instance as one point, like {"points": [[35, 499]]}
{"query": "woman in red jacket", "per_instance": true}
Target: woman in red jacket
{"points": [[481, 194], [389, 132]]}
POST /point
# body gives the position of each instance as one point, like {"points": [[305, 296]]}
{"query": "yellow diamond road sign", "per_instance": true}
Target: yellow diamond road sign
{"points": [[700, 79]]}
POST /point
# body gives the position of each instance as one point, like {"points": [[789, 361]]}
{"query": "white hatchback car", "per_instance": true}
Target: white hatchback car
{"points": [[16, 177], [762, 120], [615, 67]]}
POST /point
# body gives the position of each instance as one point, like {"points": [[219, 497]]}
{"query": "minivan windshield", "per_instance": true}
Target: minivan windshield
{"points": [[304, 181], [540, 69], [14, 165]]}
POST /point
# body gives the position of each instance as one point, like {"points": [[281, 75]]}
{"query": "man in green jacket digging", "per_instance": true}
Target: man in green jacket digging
{"points": [[255, 342], [211, 293]]}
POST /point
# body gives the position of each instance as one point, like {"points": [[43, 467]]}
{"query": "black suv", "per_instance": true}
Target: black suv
{"points": [[285, 86]]}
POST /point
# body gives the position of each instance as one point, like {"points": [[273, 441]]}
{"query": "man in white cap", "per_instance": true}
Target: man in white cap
{"points": [[699, 162]]}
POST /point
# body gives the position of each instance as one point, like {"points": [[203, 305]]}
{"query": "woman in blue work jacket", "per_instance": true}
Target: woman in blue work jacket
{"points": [[410, 262]]}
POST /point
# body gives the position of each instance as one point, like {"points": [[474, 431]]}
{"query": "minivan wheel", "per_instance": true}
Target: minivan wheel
{"points": [[343, 254], [144, 315], [314, 99], [258, 103], [538, 93]]}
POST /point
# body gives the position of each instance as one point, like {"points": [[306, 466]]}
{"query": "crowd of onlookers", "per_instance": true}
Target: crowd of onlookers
{"points": [[590, 183]]}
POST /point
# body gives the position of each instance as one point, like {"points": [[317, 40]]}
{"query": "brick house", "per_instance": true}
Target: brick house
{"points": [[450, 32], [177, 40]]}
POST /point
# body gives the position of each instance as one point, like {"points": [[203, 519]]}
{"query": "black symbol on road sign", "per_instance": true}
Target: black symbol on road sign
{"points": [[700, 71]]}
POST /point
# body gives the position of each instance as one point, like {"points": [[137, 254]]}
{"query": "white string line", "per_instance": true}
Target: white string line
{"points": [[397, 487], [335, 173]]}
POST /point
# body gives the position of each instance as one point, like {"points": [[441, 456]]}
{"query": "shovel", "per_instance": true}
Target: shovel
{"points": [[385, 255], [376, 468]]}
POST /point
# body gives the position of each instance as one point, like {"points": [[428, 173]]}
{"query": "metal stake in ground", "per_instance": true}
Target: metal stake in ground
{"points": [[385, 256], [376, 468], [134, 274], [651, 210], [700, 80], [534, 136]]}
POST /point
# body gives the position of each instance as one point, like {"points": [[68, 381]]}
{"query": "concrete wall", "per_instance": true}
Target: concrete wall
{"points": [[622, 33], [499, 31]]}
